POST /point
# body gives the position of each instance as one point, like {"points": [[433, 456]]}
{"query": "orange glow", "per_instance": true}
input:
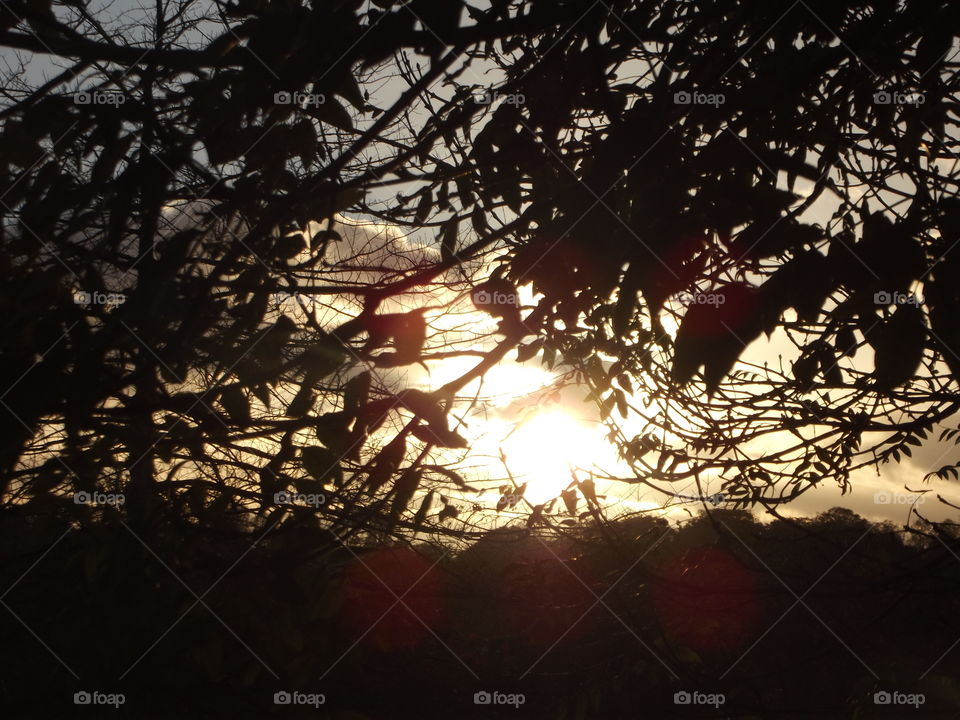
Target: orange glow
{"points": [[544, 449]]}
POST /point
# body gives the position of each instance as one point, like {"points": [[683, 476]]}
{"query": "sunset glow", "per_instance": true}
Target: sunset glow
{"points": [[548, 446]]}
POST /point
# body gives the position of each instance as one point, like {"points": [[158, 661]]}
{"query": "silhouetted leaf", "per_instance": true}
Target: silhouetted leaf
{"points": [[235, 402], [713, 335], [448, 239], [419, 520], [424, 206], [899, 344], [333, 113], [404, 490], [303, 401], [321, 463], [387, 463], [527, 351]]}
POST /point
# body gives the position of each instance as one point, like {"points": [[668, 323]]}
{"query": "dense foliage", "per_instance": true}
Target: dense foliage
{"points": [[195, 161], [234, 233]]}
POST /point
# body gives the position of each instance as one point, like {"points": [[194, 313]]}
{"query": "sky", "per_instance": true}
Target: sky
{"points": [[542, 433], [885, 492]]}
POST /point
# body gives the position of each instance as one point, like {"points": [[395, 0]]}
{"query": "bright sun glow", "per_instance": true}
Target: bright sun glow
{"points": [[544, 448]]}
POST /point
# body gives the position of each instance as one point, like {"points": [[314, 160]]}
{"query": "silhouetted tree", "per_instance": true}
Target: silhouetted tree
{"points": [[622, 158], [212, 299], [788, 172]]}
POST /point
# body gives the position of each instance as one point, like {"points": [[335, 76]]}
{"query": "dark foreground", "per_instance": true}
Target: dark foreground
{"points": [[829, 618]]}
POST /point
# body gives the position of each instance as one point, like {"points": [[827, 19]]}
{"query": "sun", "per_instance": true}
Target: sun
{"points": [[546, 446]]}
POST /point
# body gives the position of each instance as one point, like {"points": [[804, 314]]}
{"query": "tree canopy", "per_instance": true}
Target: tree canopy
{"points": [[673, 180], [260, 257]]}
